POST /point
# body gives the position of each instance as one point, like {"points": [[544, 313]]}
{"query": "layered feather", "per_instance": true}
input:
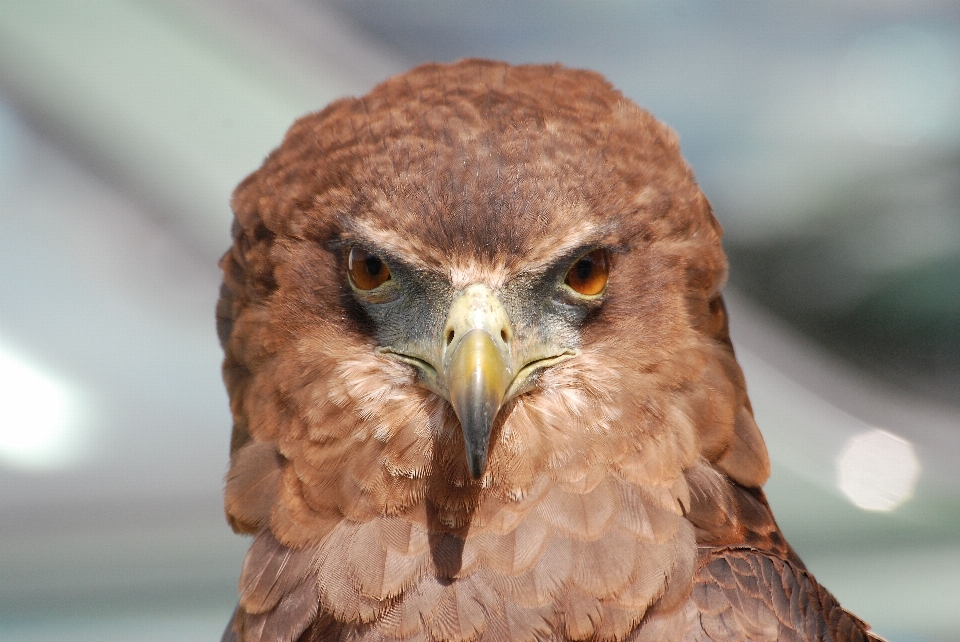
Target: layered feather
{"points": [[605, 483]]}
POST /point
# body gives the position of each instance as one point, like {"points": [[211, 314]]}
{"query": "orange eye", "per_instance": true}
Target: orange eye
{"points": [[588, 276], [367, 271]]}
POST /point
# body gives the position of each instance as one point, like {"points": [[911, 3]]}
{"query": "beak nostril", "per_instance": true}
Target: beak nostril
{"points": [[450, 336], [503, 334]]}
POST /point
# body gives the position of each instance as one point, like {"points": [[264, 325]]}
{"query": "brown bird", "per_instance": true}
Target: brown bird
{"points": [[482, 384]]}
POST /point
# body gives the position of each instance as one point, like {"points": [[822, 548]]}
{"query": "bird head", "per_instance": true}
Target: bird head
{"points": [[471, 278]]}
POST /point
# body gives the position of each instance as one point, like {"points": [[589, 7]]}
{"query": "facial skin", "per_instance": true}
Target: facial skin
{"points": [[483, 347]]}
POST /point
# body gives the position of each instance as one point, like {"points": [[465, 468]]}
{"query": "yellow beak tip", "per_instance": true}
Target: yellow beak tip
{"points": [[477, 379]]}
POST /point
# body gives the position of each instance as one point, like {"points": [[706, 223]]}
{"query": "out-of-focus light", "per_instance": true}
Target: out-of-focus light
{"points": [[877, 471], [39, 416], [900, 85]]}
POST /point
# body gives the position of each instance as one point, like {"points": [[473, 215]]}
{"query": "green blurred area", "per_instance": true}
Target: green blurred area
{"points": [[874, 277]]}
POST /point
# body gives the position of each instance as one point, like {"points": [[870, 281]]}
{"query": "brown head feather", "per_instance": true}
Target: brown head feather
{"points": [[593, 499]]}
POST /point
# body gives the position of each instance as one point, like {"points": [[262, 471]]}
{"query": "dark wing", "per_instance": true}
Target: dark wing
{"points": [[745, 595], [742, 593], [751, 585], [726, 514]]}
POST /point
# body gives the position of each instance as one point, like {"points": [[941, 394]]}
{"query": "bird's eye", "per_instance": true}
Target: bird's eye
{"points": [[588, 276], [367, 271]]}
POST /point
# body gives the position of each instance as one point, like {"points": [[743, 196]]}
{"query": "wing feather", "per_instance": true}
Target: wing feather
{"points": [[745, 594]]}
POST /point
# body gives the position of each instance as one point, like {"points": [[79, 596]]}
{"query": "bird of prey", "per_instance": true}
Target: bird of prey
{"points": [[482, 384]]}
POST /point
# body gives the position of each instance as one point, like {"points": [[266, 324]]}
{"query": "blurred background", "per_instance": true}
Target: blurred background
{"points": [[826, 135]]}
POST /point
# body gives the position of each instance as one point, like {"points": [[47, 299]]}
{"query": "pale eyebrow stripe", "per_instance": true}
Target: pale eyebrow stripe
{"points": [[389, 242], [465, 269]]}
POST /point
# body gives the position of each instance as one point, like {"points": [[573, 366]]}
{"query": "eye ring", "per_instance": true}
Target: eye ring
{"points": [[367, 271], [588, 275]]}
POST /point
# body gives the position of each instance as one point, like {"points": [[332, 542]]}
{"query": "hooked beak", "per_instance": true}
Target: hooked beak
{"points": [[475, 367], [478, 364], [477, 378]]}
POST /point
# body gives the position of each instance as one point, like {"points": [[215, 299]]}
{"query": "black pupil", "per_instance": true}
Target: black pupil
{"points": [[584, 268], [373, 265]]}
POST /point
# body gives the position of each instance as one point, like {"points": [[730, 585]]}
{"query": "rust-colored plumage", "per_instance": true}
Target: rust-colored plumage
{"points": [[481, 380]]}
